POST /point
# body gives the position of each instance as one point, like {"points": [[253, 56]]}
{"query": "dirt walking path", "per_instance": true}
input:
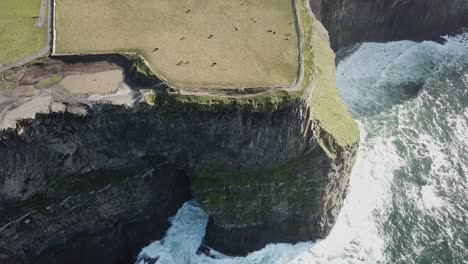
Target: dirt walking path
{"points": [[183, 90], [42, 14], [39, 22]]}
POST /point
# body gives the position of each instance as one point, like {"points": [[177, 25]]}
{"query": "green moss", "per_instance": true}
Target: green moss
{"points": [[264, 102], [242, 196], [337, 127], [139, 64], [286, 175], [308, 56], [150, 99], [215, 176], [49, 81]]}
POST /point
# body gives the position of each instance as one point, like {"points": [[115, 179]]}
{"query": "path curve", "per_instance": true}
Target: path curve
{"points": [[39, 22], [182, 90], [221, 90]]}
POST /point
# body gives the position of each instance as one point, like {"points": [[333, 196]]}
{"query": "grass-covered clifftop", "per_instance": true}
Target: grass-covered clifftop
{"points": [[210, 43], [317, 88]]}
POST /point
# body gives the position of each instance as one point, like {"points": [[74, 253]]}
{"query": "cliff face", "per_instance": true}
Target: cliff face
{"points": [[121, 172], [70, 193], [351, 21], [94, 182], [283, 187]]}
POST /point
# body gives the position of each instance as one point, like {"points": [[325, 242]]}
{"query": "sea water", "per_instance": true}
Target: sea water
{"points": [[408, 190]]}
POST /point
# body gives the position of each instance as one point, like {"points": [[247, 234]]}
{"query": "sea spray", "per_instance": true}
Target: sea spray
{"points": [[407, 199]]}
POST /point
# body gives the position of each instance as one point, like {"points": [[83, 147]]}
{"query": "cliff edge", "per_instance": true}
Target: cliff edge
{"points": [[91, 179]]}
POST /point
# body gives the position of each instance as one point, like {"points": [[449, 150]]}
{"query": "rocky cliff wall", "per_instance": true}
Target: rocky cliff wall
{"points": [[64, 177], [89, 182], [352, 21]]}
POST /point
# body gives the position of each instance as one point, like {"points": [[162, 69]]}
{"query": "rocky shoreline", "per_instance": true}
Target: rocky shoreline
{"points": [[92, 178]]}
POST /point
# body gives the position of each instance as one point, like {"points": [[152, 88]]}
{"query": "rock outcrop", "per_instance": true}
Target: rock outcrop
{"points": [[94, 182], [352, 21], [260, 175]]}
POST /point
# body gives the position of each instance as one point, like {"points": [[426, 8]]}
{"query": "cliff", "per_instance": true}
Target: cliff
{"points": [[351, 21], [126, 170], [92, 182]]}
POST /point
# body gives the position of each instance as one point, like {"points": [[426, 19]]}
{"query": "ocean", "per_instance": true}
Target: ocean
{"points": [[407, 201]]}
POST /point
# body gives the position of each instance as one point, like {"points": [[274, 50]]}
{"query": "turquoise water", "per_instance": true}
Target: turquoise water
{"points": [[408, 191]]}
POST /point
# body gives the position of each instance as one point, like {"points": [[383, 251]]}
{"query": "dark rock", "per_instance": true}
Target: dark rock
{"points": [[352, 21], [97, 188], [300, 207], [77, 203]]}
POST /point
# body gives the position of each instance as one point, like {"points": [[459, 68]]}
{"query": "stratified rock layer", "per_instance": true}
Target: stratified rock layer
{"points": [[73, 191], [94, 182], [261, 175], [351, 21]]}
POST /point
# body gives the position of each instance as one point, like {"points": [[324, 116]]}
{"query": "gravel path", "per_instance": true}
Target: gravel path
{"points": [[42, 14], [193, 91]]}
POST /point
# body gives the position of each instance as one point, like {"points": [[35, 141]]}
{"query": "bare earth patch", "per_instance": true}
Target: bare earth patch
{"points": [[101, 82], [189, 43]]}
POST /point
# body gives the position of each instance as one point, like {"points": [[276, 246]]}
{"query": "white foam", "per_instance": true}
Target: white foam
{"points": [[399, 136], [378, 75], [354, 239], [183, 238], [429, 197]]}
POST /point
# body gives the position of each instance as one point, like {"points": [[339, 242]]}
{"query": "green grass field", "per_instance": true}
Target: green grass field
{"points": [[19, 37], [189, 43]]}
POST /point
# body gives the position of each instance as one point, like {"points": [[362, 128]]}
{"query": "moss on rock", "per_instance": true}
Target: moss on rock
{"points": [[318, 87], [241, 194]]}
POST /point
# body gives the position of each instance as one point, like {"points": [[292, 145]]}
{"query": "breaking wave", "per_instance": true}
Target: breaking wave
{"points": [[407, 199]]}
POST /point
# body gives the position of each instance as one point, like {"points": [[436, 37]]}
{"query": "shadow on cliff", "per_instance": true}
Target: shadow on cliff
{"points": [[353, 21]]}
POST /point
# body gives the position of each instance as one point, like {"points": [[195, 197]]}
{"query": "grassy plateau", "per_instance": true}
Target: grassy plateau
{"points": [[189, 43], [19, 36]]}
